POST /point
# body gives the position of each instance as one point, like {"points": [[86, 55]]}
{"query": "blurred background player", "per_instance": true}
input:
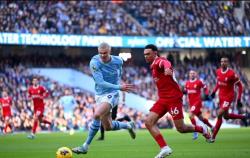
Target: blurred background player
{"points": [[106, 70], [6, 103], [170, 100], [226, 81], [193, 89], [68, 103], [37, 93], [114, 116]]}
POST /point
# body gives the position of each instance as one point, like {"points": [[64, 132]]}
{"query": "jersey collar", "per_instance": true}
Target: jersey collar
{"points": [[35, 87], [193, 80], [223, 72]]}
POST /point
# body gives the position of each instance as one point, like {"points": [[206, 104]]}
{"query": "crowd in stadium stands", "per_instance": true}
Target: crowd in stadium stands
{"points": [[170, 18], [71, 17], [15, 77], [246, 18], [191, 18]]}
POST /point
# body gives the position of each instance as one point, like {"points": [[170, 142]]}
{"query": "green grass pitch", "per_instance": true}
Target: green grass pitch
{"points": [[230, 143]]}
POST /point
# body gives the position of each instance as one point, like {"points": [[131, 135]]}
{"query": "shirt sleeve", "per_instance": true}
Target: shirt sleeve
{"points": [[216, 87], [238, 83], [45, 92], [121, 67], [73, 101], [164, 63], [235, 78], [98, 77]]}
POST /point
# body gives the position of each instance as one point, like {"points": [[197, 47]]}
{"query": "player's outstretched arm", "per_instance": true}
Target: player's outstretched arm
{"points": [[98, 77], [166, 65], [45, 92], [206, 91], [240, 90], [127, 87], [214, 91]]}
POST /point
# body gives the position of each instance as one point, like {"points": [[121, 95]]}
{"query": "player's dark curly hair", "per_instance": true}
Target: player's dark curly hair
{"points": [[151, 46]]}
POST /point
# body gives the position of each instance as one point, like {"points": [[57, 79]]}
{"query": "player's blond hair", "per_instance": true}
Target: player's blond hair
{"points": [[104, 45]]}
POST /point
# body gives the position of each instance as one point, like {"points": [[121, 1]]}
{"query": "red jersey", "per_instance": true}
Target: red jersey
{"points": [[6, 105], [225, 83], [193, 88], [37, 94], [166, 84]]}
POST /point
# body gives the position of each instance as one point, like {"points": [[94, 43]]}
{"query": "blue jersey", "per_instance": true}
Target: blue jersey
{"points": [[107, 76], [68, 102]]}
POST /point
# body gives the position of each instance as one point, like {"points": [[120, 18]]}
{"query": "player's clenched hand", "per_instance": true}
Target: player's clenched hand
{"points": [[168, 71], [212, 95], [239, 104], [128, 87]]}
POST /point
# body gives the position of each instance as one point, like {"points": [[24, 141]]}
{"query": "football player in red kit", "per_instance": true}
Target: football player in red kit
{"points": [[6, 103], [170, 100], [226, 81], [37, 93], [193, 89]]}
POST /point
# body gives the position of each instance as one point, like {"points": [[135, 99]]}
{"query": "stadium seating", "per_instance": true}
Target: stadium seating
{"points": [[169, 18]]}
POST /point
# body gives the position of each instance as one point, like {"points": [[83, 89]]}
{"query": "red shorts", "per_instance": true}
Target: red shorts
{"points": [[38, 111], [6, 115], [162, 106], [196, 109], [225, 104]]}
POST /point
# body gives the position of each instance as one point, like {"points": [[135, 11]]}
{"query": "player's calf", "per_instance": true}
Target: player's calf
{"points": [[205, 130]]}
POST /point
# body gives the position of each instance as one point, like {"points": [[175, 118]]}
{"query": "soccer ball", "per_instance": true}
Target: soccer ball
{"points": [[64, 152]]}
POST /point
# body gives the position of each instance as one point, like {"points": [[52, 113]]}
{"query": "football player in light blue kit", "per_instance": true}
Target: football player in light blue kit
{"points": [[68, 103], [106, 70]]}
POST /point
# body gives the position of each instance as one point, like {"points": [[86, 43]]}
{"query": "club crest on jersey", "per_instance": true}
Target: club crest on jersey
{"points": [[109, 96], [226, 78], [195, 86], [94, 68]]}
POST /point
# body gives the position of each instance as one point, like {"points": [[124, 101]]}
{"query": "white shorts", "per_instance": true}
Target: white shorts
{"points": [[111, 98]]}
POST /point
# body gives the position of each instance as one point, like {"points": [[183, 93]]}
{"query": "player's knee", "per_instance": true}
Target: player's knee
{"points": [[220, 116], [191, 116], [97, 116], [226, 117], [148, 123]]}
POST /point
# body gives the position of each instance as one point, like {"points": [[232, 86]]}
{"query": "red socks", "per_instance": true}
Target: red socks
{"points": [[207, 122], [217, 127], [160, 140], [235, 116], [198, 129], [34, 126], [46, 122], [193, 121]]}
